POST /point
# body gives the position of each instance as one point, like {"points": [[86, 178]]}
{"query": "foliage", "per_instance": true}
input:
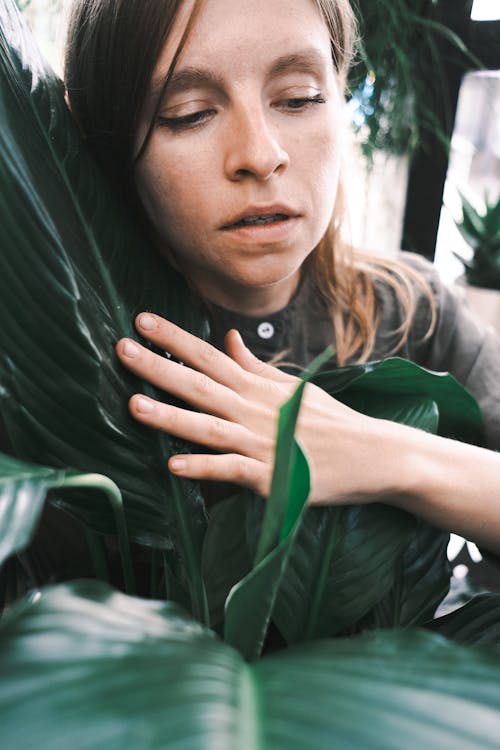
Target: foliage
{"points": [[85, 665], [481, 231], [399, 85], [67, 241], [125, 673]]}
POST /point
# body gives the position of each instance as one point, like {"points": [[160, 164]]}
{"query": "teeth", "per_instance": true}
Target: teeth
{"points": [[268, 219]]}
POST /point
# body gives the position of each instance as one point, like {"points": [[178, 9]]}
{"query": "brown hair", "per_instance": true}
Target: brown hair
{"points": [[111, 52], [344, 276]]}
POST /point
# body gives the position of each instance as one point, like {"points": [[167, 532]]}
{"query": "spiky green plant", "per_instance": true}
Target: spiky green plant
{"points": [[481, 231]]}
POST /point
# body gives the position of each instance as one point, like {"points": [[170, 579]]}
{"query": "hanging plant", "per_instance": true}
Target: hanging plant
{"points": [[398, 84]]}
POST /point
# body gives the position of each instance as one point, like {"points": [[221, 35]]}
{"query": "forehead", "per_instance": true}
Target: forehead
{"points": [[238, 36]]}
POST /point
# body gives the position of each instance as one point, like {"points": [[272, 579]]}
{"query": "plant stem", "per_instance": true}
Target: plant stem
{"points": [[112, 492], [97, 554]]}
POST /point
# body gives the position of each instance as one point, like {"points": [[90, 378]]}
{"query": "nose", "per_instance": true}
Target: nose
{"points": [[253, 148]]}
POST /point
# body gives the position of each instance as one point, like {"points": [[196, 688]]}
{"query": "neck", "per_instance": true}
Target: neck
{"points": [[252, 301]]}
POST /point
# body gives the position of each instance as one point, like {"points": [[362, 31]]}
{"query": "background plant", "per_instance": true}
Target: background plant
{"points": [[398, 84], [481, 231]]}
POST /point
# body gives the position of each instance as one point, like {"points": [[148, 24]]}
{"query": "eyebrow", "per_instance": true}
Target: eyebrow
{"points": [[304, 61], [187, 78]]}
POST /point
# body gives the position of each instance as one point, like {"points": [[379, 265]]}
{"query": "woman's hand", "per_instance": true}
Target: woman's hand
{"points": [[352, 457], [236, 402]]}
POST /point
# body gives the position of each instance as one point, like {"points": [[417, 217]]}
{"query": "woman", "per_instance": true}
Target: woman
{"points": [[222, 123]]}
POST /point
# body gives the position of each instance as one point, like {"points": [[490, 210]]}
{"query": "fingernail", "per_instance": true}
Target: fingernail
{"points": [[148, 322], [178, 464], [130, 349], [144, 405]]}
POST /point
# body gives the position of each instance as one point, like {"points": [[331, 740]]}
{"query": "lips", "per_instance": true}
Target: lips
{"points": [[259, 216], [252, 221]]}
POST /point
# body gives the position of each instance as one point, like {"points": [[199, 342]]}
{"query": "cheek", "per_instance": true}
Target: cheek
{"points": [[324, 170], [168, 193]]}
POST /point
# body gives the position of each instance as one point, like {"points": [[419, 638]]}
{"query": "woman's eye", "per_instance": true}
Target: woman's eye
{"points": [[301, 102], [185, 122]]}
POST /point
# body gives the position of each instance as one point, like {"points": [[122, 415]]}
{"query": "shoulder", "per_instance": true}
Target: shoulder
{"points": [[457, 343], [441, 333], [415, 271]]}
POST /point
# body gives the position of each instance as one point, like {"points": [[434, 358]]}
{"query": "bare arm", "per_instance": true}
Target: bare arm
{"points": [[352, 457]]}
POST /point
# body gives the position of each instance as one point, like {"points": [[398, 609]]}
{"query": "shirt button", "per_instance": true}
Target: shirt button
{"points": [[265, 330]]}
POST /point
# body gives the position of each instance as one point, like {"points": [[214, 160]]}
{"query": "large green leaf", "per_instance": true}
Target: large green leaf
{"points": [[422, 581], [228, 553], [343, 562], [74, 269], [86, 667], [250, 603], [378, 385], [360, 567], [353, 567]]}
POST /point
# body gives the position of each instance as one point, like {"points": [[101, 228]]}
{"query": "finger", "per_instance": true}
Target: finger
{"points": [[200, 428], [190, 349], [229, 467], [191, 386], [249, 362]]}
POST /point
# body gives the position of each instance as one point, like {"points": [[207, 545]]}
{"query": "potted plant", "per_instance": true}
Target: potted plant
{"points": [[481, 231]]}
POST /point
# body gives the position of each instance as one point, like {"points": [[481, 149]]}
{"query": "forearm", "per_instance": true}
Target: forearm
{"points": [[453, 485]]}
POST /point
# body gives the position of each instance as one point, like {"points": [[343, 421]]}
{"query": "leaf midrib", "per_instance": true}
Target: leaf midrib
{"points": [[249, 725]]}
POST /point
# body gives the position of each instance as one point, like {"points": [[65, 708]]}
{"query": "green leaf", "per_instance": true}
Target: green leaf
{"points": [[227, 552], [477, 622], [492, 218], [343, 562], [290, 484], [23, 490], [482, 233], [411, 410], [85, 667], [422, 582], [74, 270], [379, 382], [357, 567], [473, 222], [250, 603], [386, 691], [371, 566]]}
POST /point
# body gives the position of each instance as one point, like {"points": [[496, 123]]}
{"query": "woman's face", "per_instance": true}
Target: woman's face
{"points": [[240, 175]]}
